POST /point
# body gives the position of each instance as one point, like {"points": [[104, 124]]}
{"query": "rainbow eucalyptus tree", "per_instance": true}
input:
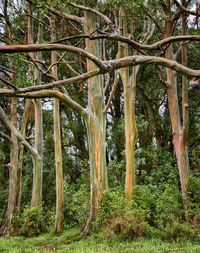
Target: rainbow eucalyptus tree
{"points": [[95, 113]]}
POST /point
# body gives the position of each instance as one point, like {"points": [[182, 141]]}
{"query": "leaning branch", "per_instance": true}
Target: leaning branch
{"points": [[139, 60], [50, 47], [112, 65], [56, 84], [18, 135], [56, 94], [185, 9], [114, 36], [9, 84], [5, 136], [65, 15], [105, 18]]}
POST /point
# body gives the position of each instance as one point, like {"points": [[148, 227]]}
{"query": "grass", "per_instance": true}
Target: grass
{"points": [[91, 244]]}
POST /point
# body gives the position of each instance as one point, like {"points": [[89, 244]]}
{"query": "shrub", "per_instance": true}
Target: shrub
{"points": [[193, 203], [33, 221], [117, 217], [178, 231], [144, 200], [80, 205], [112, 204], [15, 227], [169, 206]]}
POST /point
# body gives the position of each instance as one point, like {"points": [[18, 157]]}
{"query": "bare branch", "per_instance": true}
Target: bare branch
{"points": [[50, 47], [107, 20], [38, 20], [111, 94], [156, 46], [155, 21], [139, 60], [5, 136], [185, 9], [57, 94], [17, 133], [9, 84], [65, 15], [7, 69], [59, 83]]}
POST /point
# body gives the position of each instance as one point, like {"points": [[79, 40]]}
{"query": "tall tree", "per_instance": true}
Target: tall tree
{"points": [[59, 222]]}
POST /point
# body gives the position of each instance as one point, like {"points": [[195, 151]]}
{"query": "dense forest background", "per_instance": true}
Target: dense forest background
{"points": [[158, 200]]}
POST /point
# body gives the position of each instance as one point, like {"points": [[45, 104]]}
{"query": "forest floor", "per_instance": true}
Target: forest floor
{"points": [[91, 244]]}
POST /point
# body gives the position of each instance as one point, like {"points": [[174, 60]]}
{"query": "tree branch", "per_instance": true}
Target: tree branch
{"points": [[185, 9], [105, 18], [59, 83], [111, 94], [56, 94], [156, 46], [139, 60], [9, 84], [18, 135], [5, 136], [50, 47], [65, 15], [155, 21]]}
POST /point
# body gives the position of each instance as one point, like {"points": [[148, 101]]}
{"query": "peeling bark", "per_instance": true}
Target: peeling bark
{"points": [[95, 127], [59, 221], [36, 200]]}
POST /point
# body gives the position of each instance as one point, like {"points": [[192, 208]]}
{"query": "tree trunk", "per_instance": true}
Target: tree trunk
{"points": [[21, 152], [38, 168], [95, 125], [13, 168], [129, 84], [179, 132], [13, 172], [36, 160], [59, 222]]}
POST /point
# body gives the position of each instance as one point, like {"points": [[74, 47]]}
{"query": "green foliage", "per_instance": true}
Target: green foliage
{"points": [[112, 204], [169, 206], [193, 188], [143, 199], [193, 202], [179, 231], [117, 217], [79, 206], [116, 172], [32, 221]]}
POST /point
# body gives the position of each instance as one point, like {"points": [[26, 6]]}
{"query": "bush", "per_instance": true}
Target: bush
{"points": [[117, 217], [112, 204], [169, 206], [193, 203], [33, 221], [178, 231], [80, 205], [144, 200]]}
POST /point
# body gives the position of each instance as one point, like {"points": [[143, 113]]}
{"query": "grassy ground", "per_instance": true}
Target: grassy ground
{"points": [[65, 243]]}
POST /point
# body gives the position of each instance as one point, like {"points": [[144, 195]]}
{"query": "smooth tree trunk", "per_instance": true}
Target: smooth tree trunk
{"points": [[13, 173], [35, 155], [179, 131], [21, 152], [59, 221], [96, 125], [14, 149], [36, 200]]}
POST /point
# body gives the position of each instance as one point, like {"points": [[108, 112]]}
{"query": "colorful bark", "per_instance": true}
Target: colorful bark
{"points": [[95, 125], [179, 131], [36, 200], [59, 221], [21, 152], [129, 85]]}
